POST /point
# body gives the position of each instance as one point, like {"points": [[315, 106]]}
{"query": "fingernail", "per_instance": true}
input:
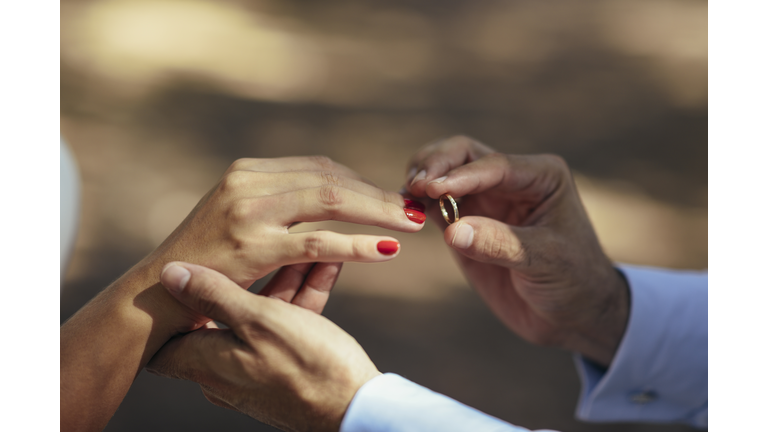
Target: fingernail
{"points": [[438, 180], [388, 247], [175, 277], [410, 175], [415, 215], [420, 176], [462, 237], [414, 205]]}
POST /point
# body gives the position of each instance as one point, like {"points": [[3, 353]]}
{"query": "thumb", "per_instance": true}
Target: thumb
{"points": [[490, 241], [206, 292]]}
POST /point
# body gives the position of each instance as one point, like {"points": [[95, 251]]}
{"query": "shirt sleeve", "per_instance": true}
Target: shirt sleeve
{"points": [[390, 403], [69, 193], [659, 373]]}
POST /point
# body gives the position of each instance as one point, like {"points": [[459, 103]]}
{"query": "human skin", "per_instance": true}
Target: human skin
{"points": [[531, 253], [526, 245], [240, 228], [280, 362]]}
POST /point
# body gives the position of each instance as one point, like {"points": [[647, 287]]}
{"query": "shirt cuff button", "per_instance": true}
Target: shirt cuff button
{"points": [[643, 397]]}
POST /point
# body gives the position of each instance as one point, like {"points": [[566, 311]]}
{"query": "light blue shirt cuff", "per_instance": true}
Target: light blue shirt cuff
{"points": [[659, 373], [390, 403]]}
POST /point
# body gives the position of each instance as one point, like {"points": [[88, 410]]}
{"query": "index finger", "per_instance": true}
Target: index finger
{"points": [[537, 175], [296, 163], [436, 159]]}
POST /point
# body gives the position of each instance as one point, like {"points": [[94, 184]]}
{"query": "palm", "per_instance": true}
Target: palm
{"points": [[519, 300]]}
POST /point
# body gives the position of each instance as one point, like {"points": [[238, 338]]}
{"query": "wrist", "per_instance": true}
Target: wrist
{"points": [[346, 396], [599, 339], [140, 293], [106, 344]]}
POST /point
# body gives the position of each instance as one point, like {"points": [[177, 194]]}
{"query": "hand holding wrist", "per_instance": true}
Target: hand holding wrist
{"points": [[281, 364], [141, 292]]}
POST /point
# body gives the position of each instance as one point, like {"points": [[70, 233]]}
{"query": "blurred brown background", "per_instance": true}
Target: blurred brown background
{"points": [[158, 97]]}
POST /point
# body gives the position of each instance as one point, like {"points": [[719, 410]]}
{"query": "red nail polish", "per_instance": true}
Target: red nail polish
{"points": [[388, 247], [415, 215], [414, 205]]}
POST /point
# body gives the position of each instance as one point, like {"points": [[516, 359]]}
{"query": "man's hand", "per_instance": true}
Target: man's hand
{"points": [[279, 361], [525, 243]]}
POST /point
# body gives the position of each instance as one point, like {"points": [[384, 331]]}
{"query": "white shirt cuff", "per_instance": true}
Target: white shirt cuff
{"points": [[391, 403]]}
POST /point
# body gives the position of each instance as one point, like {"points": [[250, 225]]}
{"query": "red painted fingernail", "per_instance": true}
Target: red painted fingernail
{"points": [[415, 205], [388, 247], [415, 215]]}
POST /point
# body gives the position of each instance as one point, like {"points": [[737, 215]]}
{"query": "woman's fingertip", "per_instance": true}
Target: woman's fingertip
{"points": [[175, 277], [438, 180], [388, 247], [414, 205], [415, 216]]}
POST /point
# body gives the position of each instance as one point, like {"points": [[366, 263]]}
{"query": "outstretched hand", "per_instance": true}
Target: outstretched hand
{"points": [[240, 228], [279, 361], [526, 244]]}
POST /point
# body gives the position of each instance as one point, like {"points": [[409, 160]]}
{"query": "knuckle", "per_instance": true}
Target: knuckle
{"points": [[390, 197], [391, 211], [315, 246], [205, 298], [358, 248], [496, 245], [323, 162], [329, 178], [234, 181], [238, 361], [240, 164], [462, 139], [498, 160], [498, 157], [330, 196], [239, 211], [557, 162]]}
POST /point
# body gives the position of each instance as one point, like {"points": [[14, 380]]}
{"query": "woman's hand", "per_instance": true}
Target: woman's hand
{"points": [[525, 243], [240, 228]]}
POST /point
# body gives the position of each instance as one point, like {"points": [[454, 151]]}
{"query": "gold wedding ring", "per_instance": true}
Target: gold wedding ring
{"points": [[445, 213]]}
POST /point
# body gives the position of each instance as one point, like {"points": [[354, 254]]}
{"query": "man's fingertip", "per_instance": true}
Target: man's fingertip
{"points": [[175, 277], [411, 174], [420, 176], [438, 180], [463, 236]]}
